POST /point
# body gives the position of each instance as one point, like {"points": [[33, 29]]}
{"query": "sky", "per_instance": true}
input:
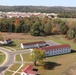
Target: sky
{"points": [[66, 3]]}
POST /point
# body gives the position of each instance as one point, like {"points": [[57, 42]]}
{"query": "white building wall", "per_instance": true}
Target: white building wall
{"points": [[57, 51], [33, 46]]}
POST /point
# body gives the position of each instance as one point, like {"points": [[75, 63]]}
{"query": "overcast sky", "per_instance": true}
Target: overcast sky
{"points": [[71, 3]]}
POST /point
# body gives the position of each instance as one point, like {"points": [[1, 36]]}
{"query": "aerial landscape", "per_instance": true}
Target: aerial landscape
{"points": [[37, 37]]}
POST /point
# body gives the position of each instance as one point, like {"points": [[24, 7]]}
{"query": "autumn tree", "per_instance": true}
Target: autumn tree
{"points": [[37, 55], [47, 29], [27, 24], [16, 21], [35, 28], [63, 27], [45, 20], [71, 33], [56, 26]]}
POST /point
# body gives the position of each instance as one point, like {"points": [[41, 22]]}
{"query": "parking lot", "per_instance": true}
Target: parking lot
{"points": [[51, 43]]}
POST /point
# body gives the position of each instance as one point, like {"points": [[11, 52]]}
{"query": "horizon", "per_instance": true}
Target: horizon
{"points": [[37, 5], [48, 3]]}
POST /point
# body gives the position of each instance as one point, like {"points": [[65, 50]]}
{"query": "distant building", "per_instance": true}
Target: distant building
{"points": [[56, 50], [33, 44], [7, 41], [28, 70]]}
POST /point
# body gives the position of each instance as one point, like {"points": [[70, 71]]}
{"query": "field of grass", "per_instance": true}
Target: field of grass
{"points": [[8, 73], [14, 67], [68, 19], [25, 57], [17, 58], [59, 63], [2, 57]]}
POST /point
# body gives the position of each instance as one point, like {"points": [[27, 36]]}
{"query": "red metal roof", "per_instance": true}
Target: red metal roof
{"points": [[55, 47], [33, 43], [28, 69]]}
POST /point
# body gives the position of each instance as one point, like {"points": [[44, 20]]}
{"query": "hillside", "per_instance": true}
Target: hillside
{"points": [[37, 9]]}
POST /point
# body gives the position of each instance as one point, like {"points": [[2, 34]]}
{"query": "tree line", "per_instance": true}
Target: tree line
{"points": [[67, 15], [38, 26], [63, 12]]}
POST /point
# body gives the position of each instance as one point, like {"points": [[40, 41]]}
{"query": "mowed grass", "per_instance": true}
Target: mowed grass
{"points": [[8, 73], [61, 62], [68, 19], [26, 57], [14, 67], [62, 40], [17, 58], [2, 57]]}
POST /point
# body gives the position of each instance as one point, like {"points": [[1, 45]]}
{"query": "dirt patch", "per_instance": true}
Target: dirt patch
{"points": [[21, 36], [16, 35]]}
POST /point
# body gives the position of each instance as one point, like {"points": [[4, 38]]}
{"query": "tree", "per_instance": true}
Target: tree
{"points": [[27, 24], [37, 55], [63, 27], [71, 33], [45, 20], [47, 29], [16, 21], [56, 26], [35, 29], [19, 26]]}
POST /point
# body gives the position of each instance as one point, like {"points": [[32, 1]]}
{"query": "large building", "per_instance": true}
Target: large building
{"points": [[28, 70], [56, 50], [33, 44]]}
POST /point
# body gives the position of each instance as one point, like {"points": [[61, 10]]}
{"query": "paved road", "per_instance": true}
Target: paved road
{"points": [[52, 43], [9, 58]]}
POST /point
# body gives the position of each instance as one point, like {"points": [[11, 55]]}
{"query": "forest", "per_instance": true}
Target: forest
{"points": [[39, 26]]}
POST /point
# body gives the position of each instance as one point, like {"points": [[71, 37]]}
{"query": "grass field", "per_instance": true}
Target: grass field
{"points": [[2, 57], [59, 63], [14, 67], [17, 58], [8, 73], [68, 19]]}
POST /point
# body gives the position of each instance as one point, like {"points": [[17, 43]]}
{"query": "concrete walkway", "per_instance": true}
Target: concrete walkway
{"points": [[9, 58]]}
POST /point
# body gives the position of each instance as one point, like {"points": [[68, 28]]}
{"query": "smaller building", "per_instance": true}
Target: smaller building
{"points": [[28, 70], [33, 44], [56, 50], [6, 41]]}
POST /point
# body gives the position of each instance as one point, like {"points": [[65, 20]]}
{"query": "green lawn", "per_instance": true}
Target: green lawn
{"points": [[2, 57], [62, 62], [14, 67], [59, 63], [8, 73], [68, 19], [62, 40], [17, 58], [25, 57]]}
